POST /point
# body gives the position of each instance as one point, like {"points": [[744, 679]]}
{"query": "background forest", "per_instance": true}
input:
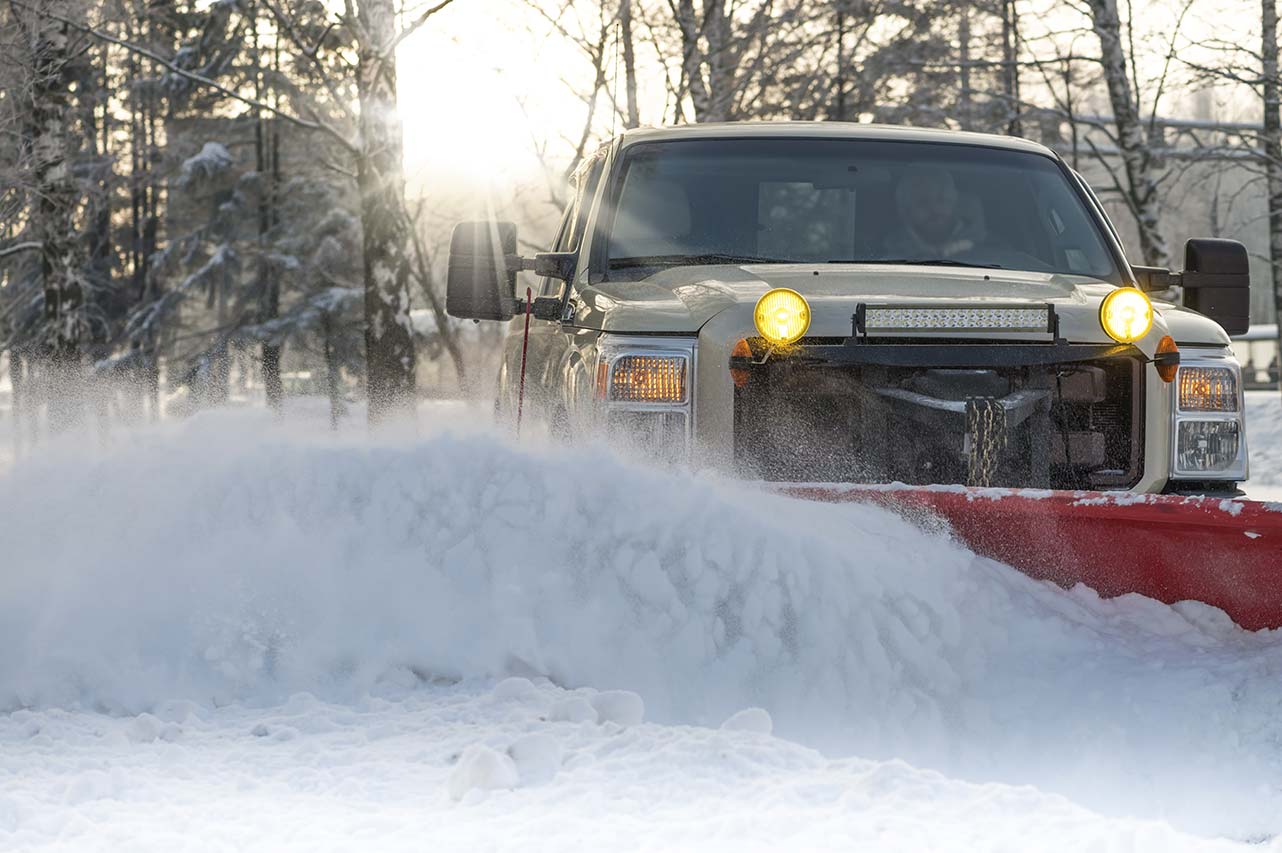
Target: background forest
{"points": [[242, 200]]}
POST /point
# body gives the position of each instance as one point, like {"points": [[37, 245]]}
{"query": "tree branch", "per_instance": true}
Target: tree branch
{"points": [[195, 78], [418, 22], [29, 246]]}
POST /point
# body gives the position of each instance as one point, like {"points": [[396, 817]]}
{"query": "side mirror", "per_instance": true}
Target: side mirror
{"points": [[1217, 282], [1153, 279], [481, 282]]}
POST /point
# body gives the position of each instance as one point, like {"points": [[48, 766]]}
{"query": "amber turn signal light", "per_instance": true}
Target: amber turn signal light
{"points": [[1167, 359], [740, 374], [644, 379]]}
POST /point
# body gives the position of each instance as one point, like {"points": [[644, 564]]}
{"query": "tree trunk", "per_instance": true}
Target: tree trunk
{"points": [[333, 389], [1273, 155], [721, 62], [267, 157], [389, 345], [53, 217], [692, 59], [1141, 172], [964, 107], [839, 71], [18, 400], [629, 63], [1010, 66]]}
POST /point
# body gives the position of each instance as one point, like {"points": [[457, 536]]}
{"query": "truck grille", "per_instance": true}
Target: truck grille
{"points": [[1076, 425]]}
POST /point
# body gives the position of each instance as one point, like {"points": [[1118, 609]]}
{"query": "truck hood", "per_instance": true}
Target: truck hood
{"points": [[683, 299]]}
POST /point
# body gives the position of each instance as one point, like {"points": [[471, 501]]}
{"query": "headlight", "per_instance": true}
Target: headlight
{"points": [[1209, 435], [1208, 447], [645, 388], [782, 316], [1126, 314]]}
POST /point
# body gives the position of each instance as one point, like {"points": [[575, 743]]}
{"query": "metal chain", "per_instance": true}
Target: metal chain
{"points": [[986, 429]]}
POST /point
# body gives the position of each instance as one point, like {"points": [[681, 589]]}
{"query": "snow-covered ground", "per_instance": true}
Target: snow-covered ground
{"points": [[234, 634], [514, 767], [1264, 436]]}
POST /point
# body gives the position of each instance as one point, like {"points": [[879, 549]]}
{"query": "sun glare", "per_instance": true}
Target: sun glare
{"points": [[474, 113]]}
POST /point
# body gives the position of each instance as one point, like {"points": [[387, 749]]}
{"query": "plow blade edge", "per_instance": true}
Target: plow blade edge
{"points": [[1226, 553]]}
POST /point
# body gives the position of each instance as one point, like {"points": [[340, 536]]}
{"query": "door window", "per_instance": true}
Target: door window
{"points": [[570, 235]]}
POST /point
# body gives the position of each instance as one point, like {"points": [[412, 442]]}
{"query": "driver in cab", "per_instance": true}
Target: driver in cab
{"points": [[937, 223]]}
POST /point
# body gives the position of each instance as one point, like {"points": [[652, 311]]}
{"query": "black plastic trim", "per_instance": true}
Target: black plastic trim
{"points": [[952, 354]]}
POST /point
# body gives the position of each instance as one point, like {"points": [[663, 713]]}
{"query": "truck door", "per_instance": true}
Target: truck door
{"points": [[550, 340]]}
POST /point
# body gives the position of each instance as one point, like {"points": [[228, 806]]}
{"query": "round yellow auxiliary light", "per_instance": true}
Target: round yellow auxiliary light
{"points": [[782, 316], [1126, 314]]}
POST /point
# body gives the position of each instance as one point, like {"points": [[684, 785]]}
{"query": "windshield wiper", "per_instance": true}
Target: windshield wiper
{"points": [[692, 260], [920, 262]]}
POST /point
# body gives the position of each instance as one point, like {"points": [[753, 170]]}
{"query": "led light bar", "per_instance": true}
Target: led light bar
{"points": [[945, 318]]}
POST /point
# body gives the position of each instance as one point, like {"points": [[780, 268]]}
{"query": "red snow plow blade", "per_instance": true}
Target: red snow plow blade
{"points": [[1226, 553]]}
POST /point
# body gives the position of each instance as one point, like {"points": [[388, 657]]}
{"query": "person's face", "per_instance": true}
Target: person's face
{"points": [[932, 211]]}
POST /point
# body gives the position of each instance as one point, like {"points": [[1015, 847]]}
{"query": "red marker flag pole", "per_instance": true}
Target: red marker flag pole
{"points": [[525, 343]]}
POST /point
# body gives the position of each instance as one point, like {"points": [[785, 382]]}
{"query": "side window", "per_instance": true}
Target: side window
{"points": [[570, 235], [583, 202], [552, 286]]}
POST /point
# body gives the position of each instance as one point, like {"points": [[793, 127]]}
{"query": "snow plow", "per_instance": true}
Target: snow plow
{"points": [[1172, 548], [857, 306]]}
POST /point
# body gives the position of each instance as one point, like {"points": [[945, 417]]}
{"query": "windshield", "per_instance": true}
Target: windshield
{"points": [[850, 201]]}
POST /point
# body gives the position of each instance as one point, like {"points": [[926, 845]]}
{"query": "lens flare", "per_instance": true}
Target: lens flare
{"points": [[782, 316], [1126, 314]]}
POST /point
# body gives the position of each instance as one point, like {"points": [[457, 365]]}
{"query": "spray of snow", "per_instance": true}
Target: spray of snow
{"points": [[230, 561]]}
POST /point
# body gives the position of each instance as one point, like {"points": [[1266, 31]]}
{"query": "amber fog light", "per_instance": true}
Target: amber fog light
{"points": [[782, 316], [1126, 314]]}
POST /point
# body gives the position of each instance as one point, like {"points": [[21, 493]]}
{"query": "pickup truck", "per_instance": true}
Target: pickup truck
{"points": [[847, 303]]}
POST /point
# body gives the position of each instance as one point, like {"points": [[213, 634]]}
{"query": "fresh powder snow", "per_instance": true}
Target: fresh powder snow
{"points": [[230, 633]]}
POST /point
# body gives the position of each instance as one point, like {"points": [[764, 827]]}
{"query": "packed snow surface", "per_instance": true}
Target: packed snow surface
{"points": [[1264, 441], [245, 634], [464, 768]]}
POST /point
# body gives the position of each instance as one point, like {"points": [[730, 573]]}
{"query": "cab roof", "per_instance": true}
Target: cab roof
{"points": [[826, 130]]}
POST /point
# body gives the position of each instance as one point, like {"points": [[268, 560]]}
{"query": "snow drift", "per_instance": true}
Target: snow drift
{"points": [[230, 560]]}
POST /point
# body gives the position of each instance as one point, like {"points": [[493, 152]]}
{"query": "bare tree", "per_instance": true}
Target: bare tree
{"points": [[1272, 151], [1133, 144], [633, 116], [389, 342], [53, 71]]}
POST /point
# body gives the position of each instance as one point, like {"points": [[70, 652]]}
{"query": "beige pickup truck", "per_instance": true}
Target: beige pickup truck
{"points": [[847, 303]]}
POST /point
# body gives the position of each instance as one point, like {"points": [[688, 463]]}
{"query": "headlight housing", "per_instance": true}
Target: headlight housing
{"points": [[645, 386], [1208, 436]]}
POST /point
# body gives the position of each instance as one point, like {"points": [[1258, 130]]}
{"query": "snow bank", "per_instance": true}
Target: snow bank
{"points": [[230, 560], [1264, 440], [464, 768]]}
